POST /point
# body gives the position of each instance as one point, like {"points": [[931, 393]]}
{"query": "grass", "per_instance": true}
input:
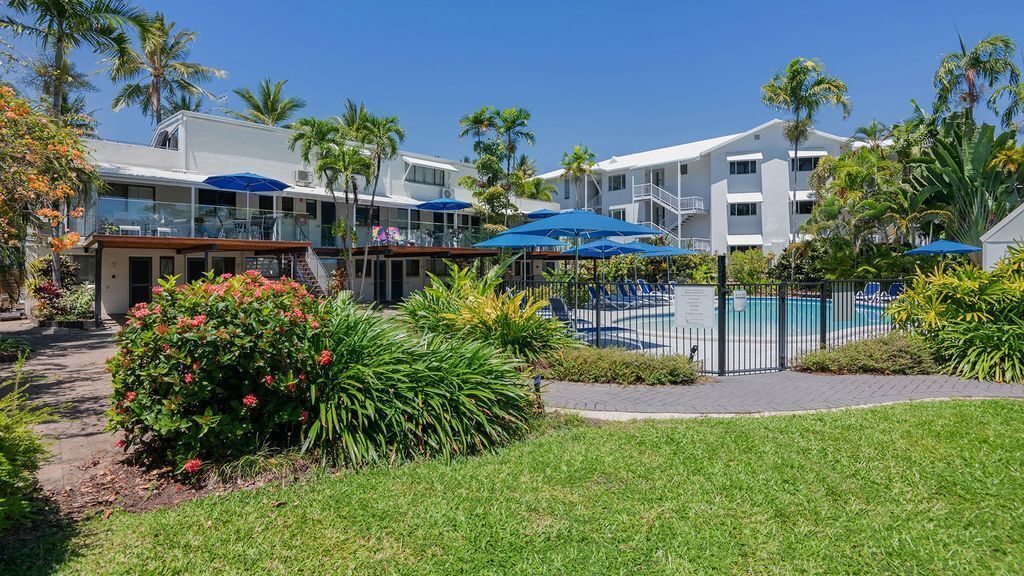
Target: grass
{"points": [[925, 488]]}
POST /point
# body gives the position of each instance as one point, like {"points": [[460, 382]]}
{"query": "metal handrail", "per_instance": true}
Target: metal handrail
{"points": [[319, 272], [681, 205]]}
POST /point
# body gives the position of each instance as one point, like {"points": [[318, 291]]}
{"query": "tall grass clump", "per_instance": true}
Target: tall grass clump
{"points": [[214, 371], [22, 451], [620, 366], [895, 353], [974, 319], [471, 306]]}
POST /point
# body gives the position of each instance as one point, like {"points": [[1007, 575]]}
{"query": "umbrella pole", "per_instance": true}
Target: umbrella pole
{"points": [[576, 271]]}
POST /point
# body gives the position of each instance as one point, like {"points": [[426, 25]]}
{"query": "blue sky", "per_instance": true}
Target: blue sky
{"points": [[617, 76]]}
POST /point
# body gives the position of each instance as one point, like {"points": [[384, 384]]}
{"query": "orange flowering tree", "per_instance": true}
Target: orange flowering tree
{"points": [[43, 169]]}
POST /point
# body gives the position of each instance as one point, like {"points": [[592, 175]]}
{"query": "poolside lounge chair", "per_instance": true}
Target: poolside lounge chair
{"points": [[894, 291], [650, 293], [608, 300], [627, 295], [871, 293], [579, 328]]}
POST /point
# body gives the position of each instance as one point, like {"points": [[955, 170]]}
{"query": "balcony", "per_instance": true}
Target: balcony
{"points": [[123, 217], [431, 234]]}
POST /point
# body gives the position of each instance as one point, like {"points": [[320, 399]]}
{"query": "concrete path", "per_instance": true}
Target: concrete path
{"points": [[778, 392], [70, 371]]}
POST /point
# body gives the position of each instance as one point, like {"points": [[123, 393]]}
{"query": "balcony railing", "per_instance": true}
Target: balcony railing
{"points": [[123, 217], [403, 233]]}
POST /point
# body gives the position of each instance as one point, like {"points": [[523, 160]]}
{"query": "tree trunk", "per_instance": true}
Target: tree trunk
{"points": [[792, 200], [58, 77], [154, 100], [366, 245]]}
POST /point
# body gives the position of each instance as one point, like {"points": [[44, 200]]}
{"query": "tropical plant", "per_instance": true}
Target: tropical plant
{"points": [[619, 366], [314, 137], [62, 26], [343, 165], [874, 136], [511, 125], [801, 91], [532, 188], [75, 84], [964, 76], [468, 305], [181, 103], [748, 267], [972, 317], [958, 170], [477, 124], [577, 166], [160, 71], [382, 136], [525, 167], [12, 348], [216, 370], [267, 105], [45, 171], [1013, 94], [22, 450]]}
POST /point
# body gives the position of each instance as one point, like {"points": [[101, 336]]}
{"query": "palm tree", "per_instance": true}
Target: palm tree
{"points": [[577, 166], [161, 71], [873, 136], [353, 120], [382, 134], [342, 165], [181, 102], [267, 106], [525, 166], [1013, 93], [534, 188], [478, 124], [61, 26], [511, 127], [801, 90], [963, 76], [314, 137]]}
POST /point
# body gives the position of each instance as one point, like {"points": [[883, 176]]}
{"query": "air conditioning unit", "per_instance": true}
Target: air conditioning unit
{"points": [[446, 192], [303, 177]]}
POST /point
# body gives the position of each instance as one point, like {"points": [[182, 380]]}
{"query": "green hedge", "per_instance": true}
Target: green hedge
{"points": [[619, 366], [896, 353]]}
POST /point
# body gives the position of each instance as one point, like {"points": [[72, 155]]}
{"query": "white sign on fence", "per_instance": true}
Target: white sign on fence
{"points": [[695, 307]]}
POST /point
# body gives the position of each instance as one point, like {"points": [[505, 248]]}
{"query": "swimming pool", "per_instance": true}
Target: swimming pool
{"points": [[761, 317]]}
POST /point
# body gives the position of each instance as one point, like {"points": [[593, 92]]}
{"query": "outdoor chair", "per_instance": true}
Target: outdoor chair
{"points": [[267, 230], [650, 293], [608, 301], [129, 230], [870, 293], [579, 330], [255, 226], [625, 295], [894, 291]]}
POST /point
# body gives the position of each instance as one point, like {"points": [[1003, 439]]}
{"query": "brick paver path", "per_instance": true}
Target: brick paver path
{"points": [[765, 393]]}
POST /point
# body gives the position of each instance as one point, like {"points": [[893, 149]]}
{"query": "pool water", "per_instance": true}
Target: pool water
{"points": [[761, 317]]}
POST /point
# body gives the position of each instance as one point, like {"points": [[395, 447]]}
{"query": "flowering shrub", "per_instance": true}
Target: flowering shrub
{"points": [[217, 370]]}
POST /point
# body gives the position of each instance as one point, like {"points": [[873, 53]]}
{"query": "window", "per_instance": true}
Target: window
{"points": [[804, 206], [266, 203], [131, 192], [365, 218], [217, 198], [617, 182], [684, 169], [287, 204], [222, 265], [412, 268], [565, 188], [167, 139], [360, 264], [166, 266], [423, 175], [617, 213], [414, 219], [745, 209], [743, 167], [805, 164], [311, 208]]}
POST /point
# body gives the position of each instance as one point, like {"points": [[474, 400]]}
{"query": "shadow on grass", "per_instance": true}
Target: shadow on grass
{"points": [[40, 545]]}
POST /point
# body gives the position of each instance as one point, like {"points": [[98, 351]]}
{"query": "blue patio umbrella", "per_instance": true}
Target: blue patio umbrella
{"points": [[444, 205], [943, 247], [246, 182], [542, 213], [519, 241], [602, 249]]}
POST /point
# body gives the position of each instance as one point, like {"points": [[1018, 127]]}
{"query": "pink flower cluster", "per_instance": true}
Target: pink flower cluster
{"points": [[193, 465], [193, 322], [250, 400], [325, 358]]}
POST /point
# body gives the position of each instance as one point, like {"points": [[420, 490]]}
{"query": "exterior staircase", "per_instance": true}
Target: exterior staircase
{"points": [[684, 207], [310, 272]]}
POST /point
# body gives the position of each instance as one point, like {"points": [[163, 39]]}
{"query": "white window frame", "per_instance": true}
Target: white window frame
{"points": [[750, 208], [612, 182], [749, 165]]}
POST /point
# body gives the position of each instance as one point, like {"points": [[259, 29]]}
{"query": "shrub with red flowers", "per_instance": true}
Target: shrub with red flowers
{"points": [[223, 368], [210, 369]]}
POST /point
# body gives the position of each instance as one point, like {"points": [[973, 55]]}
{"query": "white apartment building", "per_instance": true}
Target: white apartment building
{"points": [[155, 217], [720, 194]]}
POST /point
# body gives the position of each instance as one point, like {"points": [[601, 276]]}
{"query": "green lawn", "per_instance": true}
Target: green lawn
{"points": [[935, 488]]}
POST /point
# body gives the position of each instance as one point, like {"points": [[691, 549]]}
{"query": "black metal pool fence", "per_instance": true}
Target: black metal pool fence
{"points": [[764, 327]]}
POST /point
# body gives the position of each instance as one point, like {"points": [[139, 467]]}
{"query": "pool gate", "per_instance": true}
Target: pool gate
{"points": [[765, 327]]}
